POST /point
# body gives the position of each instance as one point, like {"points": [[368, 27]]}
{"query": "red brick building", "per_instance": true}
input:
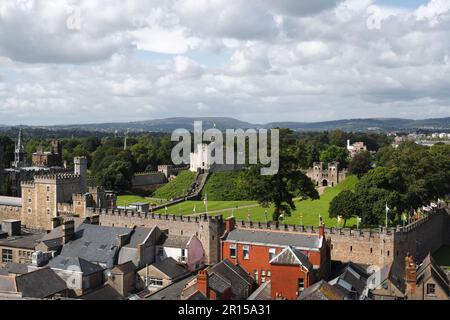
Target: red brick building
{"points": [[255, 249]]}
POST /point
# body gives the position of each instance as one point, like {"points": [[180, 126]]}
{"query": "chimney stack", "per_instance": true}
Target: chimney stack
{"points": [[203, 282], [410, 274], [121, 240], [12, 227], [68, 231], [230, 223]]}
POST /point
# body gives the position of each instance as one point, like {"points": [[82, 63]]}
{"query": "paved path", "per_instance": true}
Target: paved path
{"points": [[224, 210]]}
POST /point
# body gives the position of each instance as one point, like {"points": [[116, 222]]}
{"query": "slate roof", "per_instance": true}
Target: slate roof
{"points": [[276, 238], [263, 292], [352, 280], [124, 268], [397, 276], [429, 268], [74, 264], [56, 234], [218, 284], [97, 244], [41, 284], [173, 241], [171, 292], [105, 293], [322, 290], [170, 268], [138, 237], [237, 277], [292, 256], [14, 268], [11, 201], [24, 241]]}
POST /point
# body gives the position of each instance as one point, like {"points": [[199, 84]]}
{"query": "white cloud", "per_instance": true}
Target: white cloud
{"points": [[308, 61]]}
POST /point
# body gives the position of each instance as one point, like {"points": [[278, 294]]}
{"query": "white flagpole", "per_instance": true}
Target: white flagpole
{"points": [[387, 210]]}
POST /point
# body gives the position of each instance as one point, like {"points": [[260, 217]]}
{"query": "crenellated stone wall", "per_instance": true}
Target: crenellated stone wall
{"points": [[366, 246]]}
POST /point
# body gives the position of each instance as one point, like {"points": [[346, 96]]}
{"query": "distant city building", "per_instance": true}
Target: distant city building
{"points": [[355, 148], [52, 158]]}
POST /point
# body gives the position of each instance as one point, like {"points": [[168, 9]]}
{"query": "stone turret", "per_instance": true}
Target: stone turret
{"points": [[81, 170]]}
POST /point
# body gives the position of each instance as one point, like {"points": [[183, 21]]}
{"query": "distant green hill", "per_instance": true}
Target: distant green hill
{"points": [[224, 186], [178, 187]]}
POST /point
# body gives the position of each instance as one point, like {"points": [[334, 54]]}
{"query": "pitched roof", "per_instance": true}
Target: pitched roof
{"points": [[97, 244], [263, 292], [138, 236], [14, 268], [352, 280], [171, 292], [28, 240], [292, 256], [124, 268], [106, 293], [276, 238], [322, 290], [74, 264], [170, 268], [429, 268], [41, 284], [174, 241], [218, 283], [239, 279]]}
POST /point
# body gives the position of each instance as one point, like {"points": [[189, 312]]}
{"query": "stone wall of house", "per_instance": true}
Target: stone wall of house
{"points": [[207, 229], [149, 179]]}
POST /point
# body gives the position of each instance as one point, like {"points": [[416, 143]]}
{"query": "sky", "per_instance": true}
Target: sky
{"points": [[91, 61]]}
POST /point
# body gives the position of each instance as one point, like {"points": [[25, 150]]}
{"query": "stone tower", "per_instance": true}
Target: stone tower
{"points": [[80, 164], [210, 231]]}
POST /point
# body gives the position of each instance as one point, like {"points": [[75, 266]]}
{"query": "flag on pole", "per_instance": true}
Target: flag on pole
{"points": [[339, 220], [404, 217], [195, 208], [166, 209], [387, 211], [358, 221]]}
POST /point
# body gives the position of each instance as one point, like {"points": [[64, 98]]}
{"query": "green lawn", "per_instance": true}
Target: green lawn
{"points": [[310, 210], [128, 200], [442, 257]]}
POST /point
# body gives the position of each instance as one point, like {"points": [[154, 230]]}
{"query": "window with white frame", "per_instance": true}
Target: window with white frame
{"points": [[272, 253], [7, 255], [246, 252], [233, 251]]}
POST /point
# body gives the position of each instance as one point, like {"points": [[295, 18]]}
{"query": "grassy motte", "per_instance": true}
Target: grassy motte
{"points": [[178, 187], [225, 186]]}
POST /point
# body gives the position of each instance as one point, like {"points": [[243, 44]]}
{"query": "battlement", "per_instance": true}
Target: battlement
{"points": [[152, 216], [345, 232], [56, 177]]}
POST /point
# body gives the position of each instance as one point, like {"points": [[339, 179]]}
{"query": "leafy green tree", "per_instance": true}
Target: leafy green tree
{"points": [[280, 189], [361, 164], [345, 204], [117, 176], [334, 153]]}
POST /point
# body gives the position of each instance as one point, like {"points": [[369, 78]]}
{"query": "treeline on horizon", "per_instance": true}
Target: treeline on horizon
{"points": [[406, 178]]}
